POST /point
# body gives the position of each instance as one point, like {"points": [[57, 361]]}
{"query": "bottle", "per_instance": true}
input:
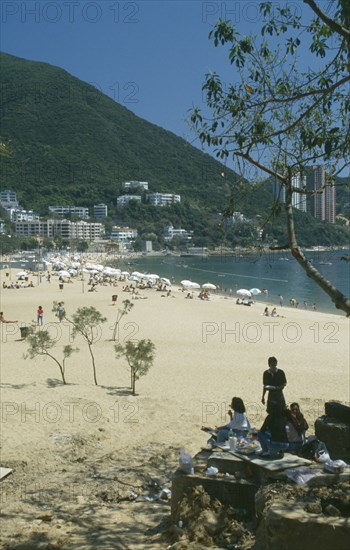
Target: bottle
{"points": [[233, 443], [230, 433]]}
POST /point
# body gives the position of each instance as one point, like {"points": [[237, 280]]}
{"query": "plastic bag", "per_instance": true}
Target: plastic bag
{"points": [[301, 475], [186, 464], [321, 454], [334, 466], [316, 450]]}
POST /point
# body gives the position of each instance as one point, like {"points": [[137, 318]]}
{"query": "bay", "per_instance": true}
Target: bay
{"points": [[278, 273]]}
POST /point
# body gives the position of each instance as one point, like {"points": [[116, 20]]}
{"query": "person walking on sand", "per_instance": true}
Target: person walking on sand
{"points": [[281, 299], [40, 315], [274, 381], [61, 312]]}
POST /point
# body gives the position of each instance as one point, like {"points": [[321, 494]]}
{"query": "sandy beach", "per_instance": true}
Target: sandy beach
{"points": [[80, 452]]}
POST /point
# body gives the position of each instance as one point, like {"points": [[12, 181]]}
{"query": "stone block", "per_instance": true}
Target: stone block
{"points": [[336, 436], [289, 526], [229, 491]]}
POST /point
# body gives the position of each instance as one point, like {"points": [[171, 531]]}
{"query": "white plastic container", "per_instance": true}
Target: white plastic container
{"points": [[233, 443]]}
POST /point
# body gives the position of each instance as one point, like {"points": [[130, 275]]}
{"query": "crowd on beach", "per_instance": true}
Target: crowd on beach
{"points": [[283, 429]]}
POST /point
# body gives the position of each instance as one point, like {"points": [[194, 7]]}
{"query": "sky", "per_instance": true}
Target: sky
{"points": [[150, 56]]}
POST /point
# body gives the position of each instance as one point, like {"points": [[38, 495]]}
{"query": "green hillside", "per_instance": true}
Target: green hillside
{"points": [[70, 144], [79, 145]]}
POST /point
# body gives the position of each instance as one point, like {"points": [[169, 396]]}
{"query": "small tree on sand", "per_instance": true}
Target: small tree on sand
{"points": [[139, 355], [127, 307], [40, 343], [86, 321]]}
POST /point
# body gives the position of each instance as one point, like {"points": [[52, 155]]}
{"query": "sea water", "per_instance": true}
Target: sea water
{"points": [[276, 273]]}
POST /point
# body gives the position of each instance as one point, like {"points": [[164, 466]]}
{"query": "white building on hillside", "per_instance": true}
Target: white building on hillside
{"points": [[100, 211], [125, 199], [23, 215], [8, 199], [123, 233], [66, 229], [80, 211], [163, 199], [169, 233]]}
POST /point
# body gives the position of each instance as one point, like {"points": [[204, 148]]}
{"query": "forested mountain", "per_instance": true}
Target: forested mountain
{"points": [[70, 144]]}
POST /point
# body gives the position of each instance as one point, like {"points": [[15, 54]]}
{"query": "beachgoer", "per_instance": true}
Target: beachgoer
{"points": [[274, 381], [314, 307], [40, 315], [273, 434], [266, 312], [238, 423], [281, 299], [274, 312], [61, 312], [296, 427], [3, 320]]}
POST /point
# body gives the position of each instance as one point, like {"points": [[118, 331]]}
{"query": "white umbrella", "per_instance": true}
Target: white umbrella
{"points": [[152, 276], [255, 291], [63, 273], [190, 284], [244, 292], [209, 286], [134, 278], [165, 281], [22, 274], [125, 273]]}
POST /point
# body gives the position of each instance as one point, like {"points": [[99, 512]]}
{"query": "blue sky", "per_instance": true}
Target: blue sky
{"points": [[150, 56]]}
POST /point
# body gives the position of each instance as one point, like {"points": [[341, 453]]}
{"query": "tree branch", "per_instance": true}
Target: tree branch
{"points": [[339, 29]]}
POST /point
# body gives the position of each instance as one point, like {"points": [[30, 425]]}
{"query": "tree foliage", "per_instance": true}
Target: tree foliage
{"points": [[87, 322], [280, 114], [139, 355], [40, 343], [127, 307]]}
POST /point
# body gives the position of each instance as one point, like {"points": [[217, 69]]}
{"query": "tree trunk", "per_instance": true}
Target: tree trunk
{"points": [[133, 381], [340, 301], [93, 363], [60, 367]]}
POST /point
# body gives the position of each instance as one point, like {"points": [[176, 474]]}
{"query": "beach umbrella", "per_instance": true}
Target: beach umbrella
{"points": [[209, 286], [134, 278], [22, 274], [255, 291], [152, 276], [244, 292], [72, 272], [138, 274], [64, 273], [190, 284], [165, 281], [125, 273]]}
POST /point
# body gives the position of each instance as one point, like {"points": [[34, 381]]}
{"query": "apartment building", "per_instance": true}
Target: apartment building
{"points": [[65, 229], [322, 203], [123, 233], [100, 211], [163, 199], [125, 199], [80, 211]]}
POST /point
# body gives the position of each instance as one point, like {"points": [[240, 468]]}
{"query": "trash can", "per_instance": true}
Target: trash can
{"points": [[24, 332], [61, 286], [114, 298]]}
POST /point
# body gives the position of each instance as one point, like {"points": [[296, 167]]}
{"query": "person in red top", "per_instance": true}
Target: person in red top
{"points": [[40, 315]]}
